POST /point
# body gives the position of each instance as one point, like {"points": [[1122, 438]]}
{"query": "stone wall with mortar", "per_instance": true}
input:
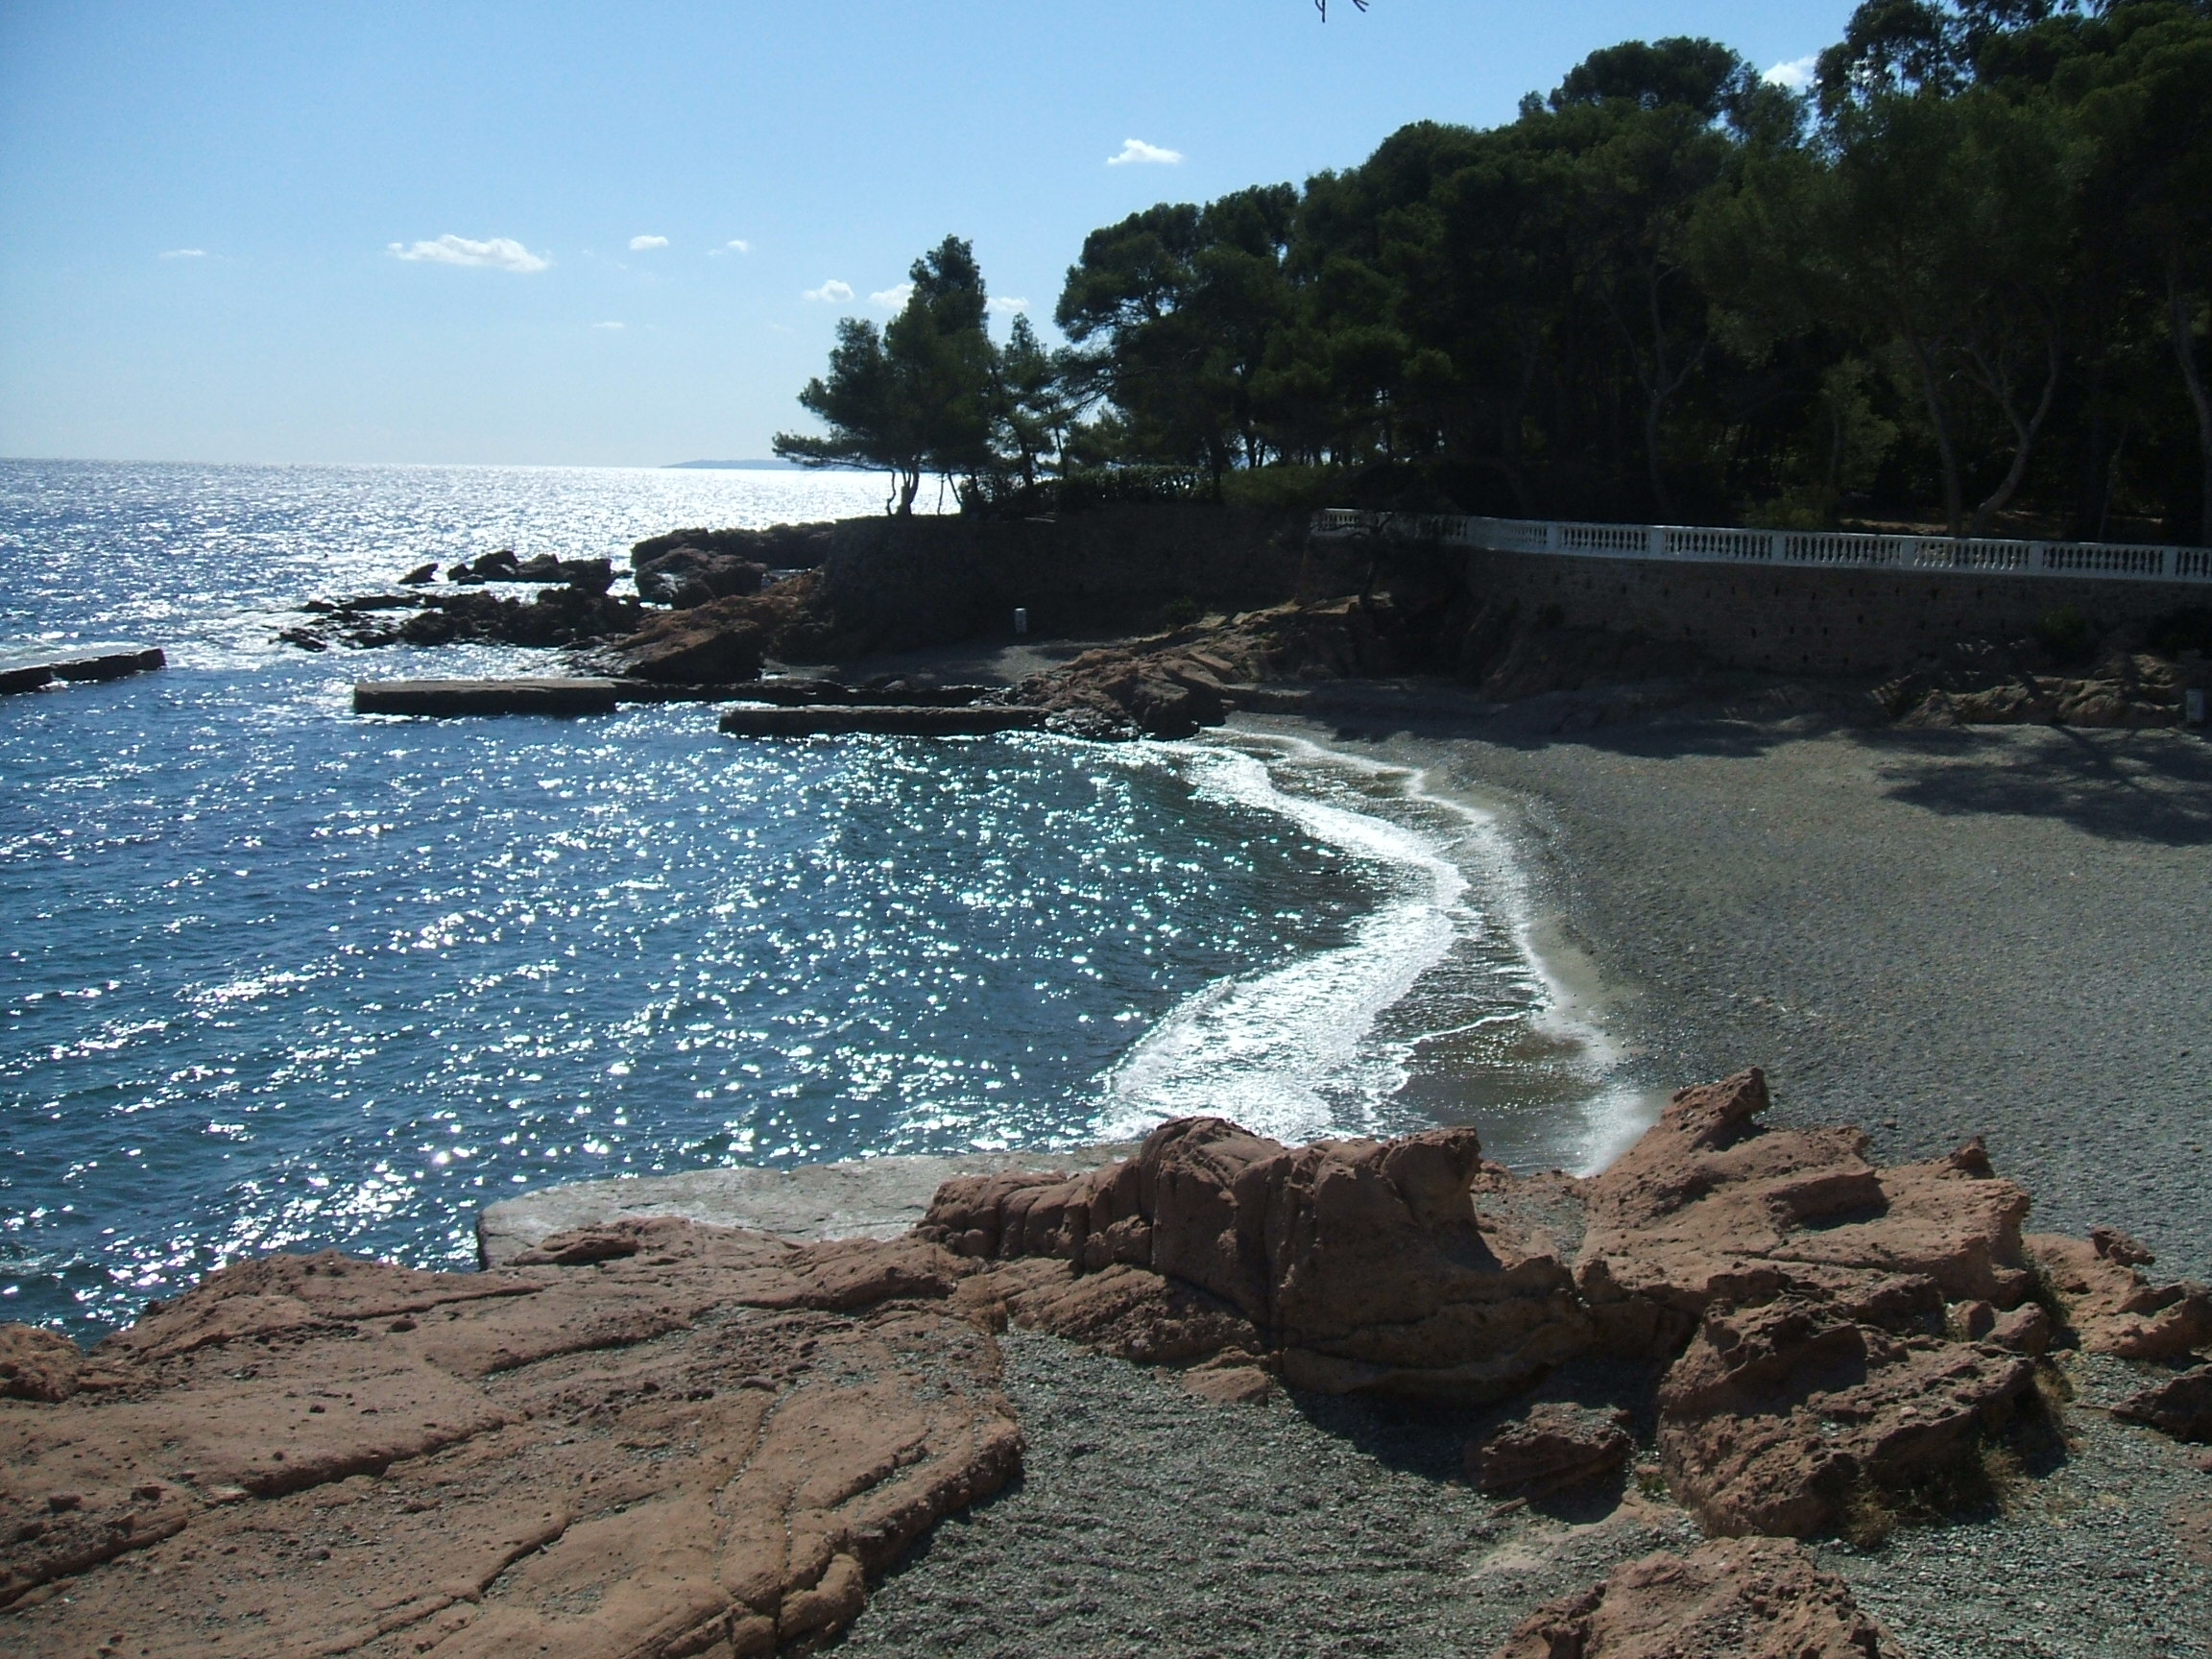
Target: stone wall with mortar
{"points": [[1797, 621], [895, 583]]}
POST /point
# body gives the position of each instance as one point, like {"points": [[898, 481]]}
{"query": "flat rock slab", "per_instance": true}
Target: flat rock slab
{"points": [[548, 696], [27, 669], [700, 1442], [854, 720], [868, 1198]]}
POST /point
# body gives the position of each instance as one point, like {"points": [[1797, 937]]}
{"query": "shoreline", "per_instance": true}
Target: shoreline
{"points": [[1703, 895], [1142, 1507], [883, 1196], [1930, 935]]}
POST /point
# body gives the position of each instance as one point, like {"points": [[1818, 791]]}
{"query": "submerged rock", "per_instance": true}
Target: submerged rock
{"points": [[1728, 1599], [708, 1441]]}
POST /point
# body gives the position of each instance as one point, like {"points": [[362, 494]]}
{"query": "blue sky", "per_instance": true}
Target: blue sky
{"points": [[232, 230]]}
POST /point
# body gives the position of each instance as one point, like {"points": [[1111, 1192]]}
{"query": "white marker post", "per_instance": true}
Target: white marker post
{"points": [[1021, 626]]}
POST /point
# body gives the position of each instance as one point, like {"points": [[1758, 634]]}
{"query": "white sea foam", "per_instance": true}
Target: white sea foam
{"points": [[1295, 1052]]}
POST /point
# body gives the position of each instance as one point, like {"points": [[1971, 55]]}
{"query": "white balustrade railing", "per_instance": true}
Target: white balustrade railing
{"points": [[1811, 549]]}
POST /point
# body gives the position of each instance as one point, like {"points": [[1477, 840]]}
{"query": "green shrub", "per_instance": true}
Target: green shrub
{"points": [[1181, 611], [2065, 633], [1284, 489]]}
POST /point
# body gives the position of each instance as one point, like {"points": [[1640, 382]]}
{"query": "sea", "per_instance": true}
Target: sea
{"points": [[275, 975]]}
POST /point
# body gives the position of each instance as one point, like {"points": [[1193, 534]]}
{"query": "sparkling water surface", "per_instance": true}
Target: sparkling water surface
{"points": [[275, 974]]}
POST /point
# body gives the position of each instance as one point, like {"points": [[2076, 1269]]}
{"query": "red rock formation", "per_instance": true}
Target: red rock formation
{"points": [[1551, 1448], [1832, 1325], [1159, 693], [1767, 1599], [1361, 1264], [2181, 1405], [1711, 1204], [2112, 1306], [39, 1366], [1775, 1415], [705, 1443]]}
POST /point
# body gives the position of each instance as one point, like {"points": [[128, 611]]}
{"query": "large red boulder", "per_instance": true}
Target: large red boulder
{"points": [[1363, 1265], [1711, 1204], [1776, 1416], [1763, 1599]]}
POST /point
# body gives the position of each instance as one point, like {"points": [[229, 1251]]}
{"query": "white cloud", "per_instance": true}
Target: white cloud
{"points": [[1136, 150], [831, 292], [606, 324], [184, 254], [499, 252], [894, 297], [640, 244], [1796, 74], [738, 244], [1000, 303]]}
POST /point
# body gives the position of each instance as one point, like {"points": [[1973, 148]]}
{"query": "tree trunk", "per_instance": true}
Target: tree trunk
{"points": [[2181, 323], [2024, 432], [1954, 497]]}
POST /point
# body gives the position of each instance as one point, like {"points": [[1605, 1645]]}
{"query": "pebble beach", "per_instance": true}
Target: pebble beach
{"points": [[1933, 935]]}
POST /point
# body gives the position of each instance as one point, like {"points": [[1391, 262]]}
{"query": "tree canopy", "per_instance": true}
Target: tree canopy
{"points": [[1963, 276]]}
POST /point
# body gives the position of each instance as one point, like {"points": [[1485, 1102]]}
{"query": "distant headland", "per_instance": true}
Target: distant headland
{"points": [[771, 464]]}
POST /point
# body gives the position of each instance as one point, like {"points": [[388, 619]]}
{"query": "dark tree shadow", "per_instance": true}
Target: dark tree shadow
{"points": [[2148, 786]]}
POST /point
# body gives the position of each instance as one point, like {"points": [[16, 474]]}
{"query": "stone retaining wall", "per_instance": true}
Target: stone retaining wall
{"points": [[1796, 621], [898, 584]]}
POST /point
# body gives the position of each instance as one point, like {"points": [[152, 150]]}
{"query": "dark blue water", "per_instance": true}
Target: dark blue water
{"points": [[274, 975]]}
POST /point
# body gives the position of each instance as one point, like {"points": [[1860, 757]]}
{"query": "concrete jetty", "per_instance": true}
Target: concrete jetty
{"points": [[547, 696], [26, 669], [887, 720]]}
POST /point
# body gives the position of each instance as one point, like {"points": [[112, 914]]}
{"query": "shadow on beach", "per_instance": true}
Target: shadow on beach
{"points": [[2151, 785], [2148, 786]]}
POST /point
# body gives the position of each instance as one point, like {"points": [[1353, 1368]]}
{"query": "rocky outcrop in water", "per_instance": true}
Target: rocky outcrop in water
{"points": [[719, 642], [779, 546], [659, 1439], [683, 577]]}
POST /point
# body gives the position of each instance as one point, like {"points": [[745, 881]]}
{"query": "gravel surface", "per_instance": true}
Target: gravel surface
{"points": [[1152, 1522], [1999, 932]]}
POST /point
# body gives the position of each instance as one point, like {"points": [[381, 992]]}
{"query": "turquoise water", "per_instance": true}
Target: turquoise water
{"points": [[274, 975]]}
